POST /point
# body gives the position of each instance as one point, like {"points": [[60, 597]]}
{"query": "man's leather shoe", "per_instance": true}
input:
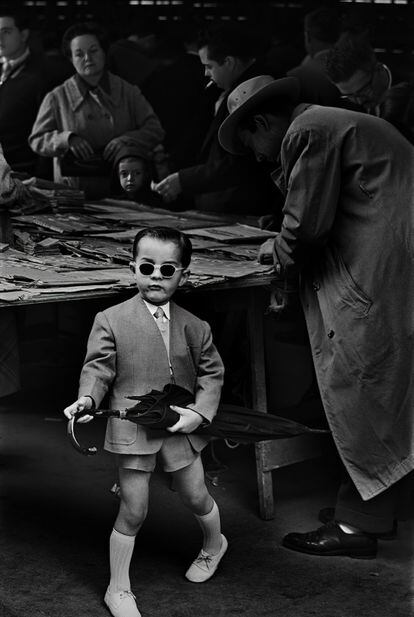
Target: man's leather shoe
{"points": [[330, 540], [328, 514]]}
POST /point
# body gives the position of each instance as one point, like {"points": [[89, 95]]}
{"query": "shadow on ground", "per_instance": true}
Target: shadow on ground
{"points": [[57, 513]]}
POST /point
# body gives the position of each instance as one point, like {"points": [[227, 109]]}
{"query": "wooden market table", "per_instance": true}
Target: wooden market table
{"points": [[251, 293]]}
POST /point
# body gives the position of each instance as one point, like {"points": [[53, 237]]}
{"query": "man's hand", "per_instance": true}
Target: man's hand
{"points": [[188, 422], [265, 255], [84, 403], [80, 147], [112, 149], [22, 191], [169, 188]]}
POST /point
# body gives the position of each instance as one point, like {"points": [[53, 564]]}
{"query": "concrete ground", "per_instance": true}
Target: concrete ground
{"points": [[57, 514]]}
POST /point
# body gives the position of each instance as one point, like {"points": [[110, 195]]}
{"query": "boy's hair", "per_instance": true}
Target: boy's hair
{"points": [[349, 55], [21, 19], [133, 157], [79, 29], [228, 39], [166, 234]]}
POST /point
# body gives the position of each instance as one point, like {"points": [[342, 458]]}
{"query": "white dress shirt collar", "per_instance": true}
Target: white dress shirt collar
{"points": [[152, 308]]}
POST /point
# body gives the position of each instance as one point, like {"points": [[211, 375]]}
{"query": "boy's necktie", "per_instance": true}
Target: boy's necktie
{"points": [[163, 326]]}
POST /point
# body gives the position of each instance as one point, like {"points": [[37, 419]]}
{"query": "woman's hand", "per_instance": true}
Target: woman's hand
{"points": [[81, 148], [112, 149]]}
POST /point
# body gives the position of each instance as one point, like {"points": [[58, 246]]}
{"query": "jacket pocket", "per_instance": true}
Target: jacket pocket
{"points": [[121, 432], [342, 287], [353, 323]]}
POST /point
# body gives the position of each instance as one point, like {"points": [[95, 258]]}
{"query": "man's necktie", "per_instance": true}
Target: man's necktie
{"points": [[6, 69]]}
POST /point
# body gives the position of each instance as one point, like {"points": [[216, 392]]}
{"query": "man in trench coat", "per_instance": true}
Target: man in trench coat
{"points": [[347, 237]]}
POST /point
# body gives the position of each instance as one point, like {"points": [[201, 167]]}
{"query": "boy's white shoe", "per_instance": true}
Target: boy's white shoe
{"points": [[121, 603], [204, 565]]}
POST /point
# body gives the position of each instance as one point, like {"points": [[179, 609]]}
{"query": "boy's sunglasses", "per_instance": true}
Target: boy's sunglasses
{"points": [[167, 271]]}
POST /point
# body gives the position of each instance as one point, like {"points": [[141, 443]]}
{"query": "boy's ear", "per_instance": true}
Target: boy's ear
{"points": [[132, 266], [184, 277]]}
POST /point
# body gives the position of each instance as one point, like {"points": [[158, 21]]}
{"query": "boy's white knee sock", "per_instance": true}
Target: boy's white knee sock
{"points": [[120, 553], [210, 525]]}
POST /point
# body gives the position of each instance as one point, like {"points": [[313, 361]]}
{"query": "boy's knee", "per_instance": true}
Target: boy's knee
{"points": [[134, 513], [197, 500]]}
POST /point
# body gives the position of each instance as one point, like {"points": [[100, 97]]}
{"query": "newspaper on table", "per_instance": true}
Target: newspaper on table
{"points": [[237, 233]]}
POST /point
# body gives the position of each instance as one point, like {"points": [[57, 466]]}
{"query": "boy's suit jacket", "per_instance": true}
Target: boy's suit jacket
{"points": [[126, 356]]}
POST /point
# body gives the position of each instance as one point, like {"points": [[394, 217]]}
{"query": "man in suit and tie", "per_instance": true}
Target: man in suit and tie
{"points": [[220, 182], [25, 77], [134, 347]]}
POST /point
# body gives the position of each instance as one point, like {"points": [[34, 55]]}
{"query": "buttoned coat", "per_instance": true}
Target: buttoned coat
{"points": [[348, 228], [122, 112], [126, 356]]}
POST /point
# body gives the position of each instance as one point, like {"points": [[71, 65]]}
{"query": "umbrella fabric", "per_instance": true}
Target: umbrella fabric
{"points": [[246, 425], [232, 422]]}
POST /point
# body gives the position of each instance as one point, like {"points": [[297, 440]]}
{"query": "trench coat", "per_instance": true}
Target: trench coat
{"points": [[348, 232]]}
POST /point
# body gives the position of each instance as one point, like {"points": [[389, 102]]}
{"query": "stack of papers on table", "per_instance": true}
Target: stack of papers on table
{"points": [[100, 249], [62, 224], [237, 233], [27, 243], [61, 199]]}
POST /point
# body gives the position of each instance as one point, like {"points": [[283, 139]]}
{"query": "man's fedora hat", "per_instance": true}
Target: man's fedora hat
{"points": [[245, 98]]}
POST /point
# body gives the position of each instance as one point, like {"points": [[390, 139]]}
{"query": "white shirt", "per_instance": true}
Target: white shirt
{"points": [[153, 308]]}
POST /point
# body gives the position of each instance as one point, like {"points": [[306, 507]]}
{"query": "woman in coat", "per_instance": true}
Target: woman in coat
{"points": [[93, 115]]}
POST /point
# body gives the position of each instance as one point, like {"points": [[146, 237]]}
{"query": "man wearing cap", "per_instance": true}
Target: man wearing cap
{"points": [[347, 237]]}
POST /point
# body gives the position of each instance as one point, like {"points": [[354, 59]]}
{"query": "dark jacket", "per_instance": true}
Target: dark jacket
{"points": [[20, 98], [177, 93], [225, 183]]}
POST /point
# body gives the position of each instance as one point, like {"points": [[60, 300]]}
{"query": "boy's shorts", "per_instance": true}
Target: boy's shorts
{"points": [[176, 452]]}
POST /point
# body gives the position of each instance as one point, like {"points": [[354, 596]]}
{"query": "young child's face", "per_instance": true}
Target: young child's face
{"points": [[132, 175], [155, 287]]}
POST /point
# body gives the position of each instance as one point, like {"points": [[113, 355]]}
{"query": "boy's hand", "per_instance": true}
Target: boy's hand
{"points": [[188, 422], [84, 403]]}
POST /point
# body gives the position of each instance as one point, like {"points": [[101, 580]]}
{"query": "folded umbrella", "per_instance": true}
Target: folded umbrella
{"points": [[231, 422]]}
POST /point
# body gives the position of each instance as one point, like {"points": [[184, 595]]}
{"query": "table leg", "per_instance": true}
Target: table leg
{"points": [[257, 305]]}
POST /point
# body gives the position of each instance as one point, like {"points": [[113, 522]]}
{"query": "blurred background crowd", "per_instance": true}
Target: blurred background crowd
{"points": [[157, 87]]}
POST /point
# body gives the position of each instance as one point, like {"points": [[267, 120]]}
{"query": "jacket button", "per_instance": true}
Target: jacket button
{"points": [[316, 286], [331, 334]]}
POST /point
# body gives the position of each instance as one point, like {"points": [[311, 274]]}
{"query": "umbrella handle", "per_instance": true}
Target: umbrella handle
{"points": [[75, 443], [100, 413]]}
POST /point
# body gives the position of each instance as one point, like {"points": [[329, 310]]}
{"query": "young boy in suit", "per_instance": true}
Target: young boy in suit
{"points": [[135, 347]]}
